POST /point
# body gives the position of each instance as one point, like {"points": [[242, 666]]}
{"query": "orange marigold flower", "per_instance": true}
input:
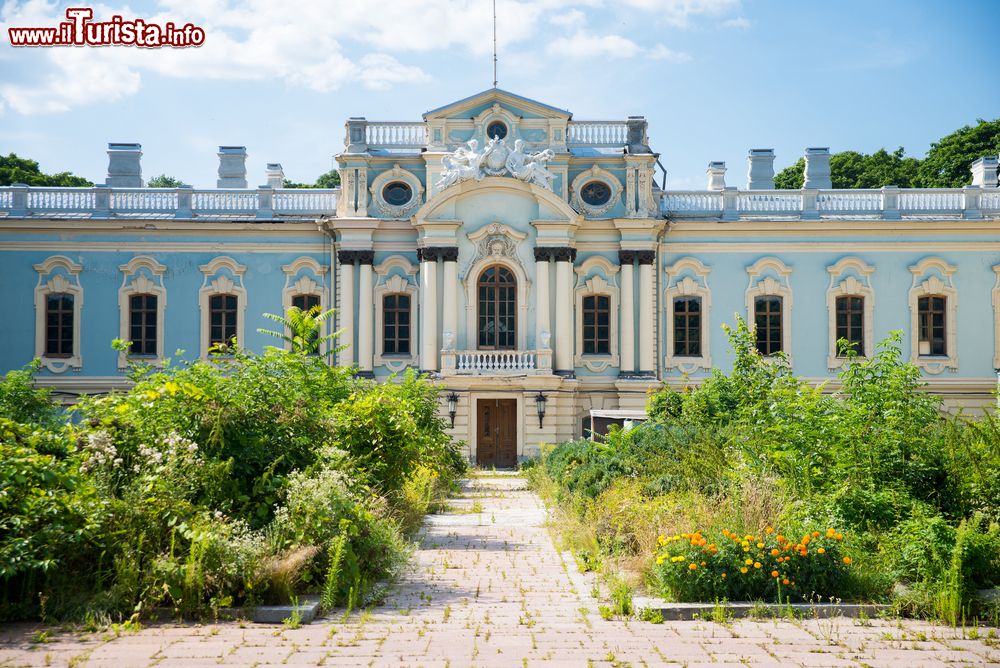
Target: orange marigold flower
{"points": [[839, 536], [806, 539], [743, 569], [723, 575], [775, 552], [769, 530], [822, 550], [780, 538], [847, 560], [693, 567], [785, 581], [756, 564], [748, 562], [774, 574], [815, 534]]}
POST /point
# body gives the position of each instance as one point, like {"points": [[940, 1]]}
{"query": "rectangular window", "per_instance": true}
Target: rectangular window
{"points": [[222, 322], [597, 325], [59, 325], [931, 323], [687, 326], [396, 325], [767, 319], [305, 302], [851, 323], [142, 324]]}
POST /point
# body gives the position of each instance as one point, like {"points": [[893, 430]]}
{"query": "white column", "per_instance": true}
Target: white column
{"points": [[429, 311], [346, 310], [543, 326], [564, 309], [626, 337], [366, 312], [647, 356], [449, 315]]}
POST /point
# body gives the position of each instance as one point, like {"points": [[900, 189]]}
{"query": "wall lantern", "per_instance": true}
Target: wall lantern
{"points": [[540, 407], [452, 407]]}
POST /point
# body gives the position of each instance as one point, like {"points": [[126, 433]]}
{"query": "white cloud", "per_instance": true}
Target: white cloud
{"points": [[587, 45], [322, 45], [661, 52], [739, 23]]}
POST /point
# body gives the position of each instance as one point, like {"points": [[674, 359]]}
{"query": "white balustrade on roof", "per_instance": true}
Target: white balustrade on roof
{"points": [[597, 133]]}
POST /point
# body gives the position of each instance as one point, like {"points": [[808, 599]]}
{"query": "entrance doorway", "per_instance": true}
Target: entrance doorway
{"points": [[496, 440]]}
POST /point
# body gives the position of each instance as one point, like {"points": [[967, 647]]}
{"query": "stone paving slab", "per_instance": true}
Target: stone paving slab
{"points": [[489, 588]]}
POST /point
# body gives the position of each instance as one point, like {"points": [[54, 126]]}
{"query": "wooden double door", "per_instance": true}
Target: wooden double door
{"points": [[496, 437]]}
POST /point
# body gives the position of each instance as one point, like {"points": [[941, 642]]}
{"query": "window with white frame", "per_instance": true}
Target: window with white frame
{"points": [[933, 315], [142, 303], [850, 303], [769, 305], [305, 288], [396, 306], [597, 299], [223, 303], [687, 305], [58, 309]]}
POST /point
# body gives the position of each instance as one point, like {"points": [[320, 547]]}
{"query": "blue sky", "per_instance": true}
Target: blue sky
{"points": [[713, 77]]}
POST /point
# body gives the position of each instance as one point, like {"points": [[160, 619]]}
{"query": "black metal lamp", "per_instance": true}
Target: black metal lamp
{"points": [[540, 407], [452, 407]]}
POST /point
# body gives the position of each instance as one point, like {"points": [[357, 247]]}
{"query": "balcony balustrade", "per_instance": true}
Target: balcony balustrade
{"points": [[496, 362]]}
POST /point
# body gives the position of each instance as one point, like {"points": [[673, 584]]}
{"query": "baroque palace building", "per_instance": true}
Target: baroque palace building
{"points": [[533, 264]]}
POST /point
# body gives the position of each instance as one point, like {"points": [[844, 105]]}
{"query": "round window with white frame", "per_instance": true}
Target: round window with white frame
{"points": [[595, 193], [397, 193], [496, 129]]}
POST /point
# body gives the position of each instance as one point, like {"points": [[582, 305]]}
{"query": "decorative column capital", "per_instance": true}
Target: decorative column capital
{"points": [[347, 256], [366, 257], [563, 254], [626, 257], [434, 253], [645, 256], [543, 254]]}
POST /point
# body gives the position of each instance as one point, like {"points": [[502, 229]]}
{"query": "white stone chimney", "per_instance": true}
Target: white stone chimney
{"points": [[124, 168], [716, 175], [275, 175], [984, 171], [760, 172], [232, 167], [817, 172]]}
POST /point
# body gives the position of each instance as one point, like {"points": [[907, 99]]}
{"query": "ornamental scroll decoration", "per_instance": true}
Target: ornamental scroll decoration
{"points": [[495, 241], [496, 159]]}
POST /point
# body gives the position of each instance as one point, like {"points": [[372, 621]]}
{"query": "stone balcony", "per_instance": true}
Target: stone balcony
{"points": [[496, 362]]}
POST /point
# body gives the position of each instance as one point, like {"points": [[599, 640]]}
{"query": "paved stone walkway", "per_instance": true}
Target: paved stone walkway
{"points": [[489, 588]]}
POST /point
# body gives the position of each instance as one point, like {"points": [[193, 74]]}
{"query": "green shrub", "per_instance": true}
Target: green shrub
{"points": [[21, 401]]}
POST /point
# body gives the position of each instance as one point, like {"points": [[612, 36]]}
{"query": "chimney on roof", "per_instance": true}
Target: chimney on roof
{"points": [[984, 171], [716, 176], [760, 172], [232, 167], [275, 175], [817, 172], [124, 168]]}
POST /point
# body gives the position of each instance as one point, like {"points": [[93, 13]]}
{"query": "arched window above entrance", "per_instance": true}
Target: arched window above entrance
{"points": [[497, 315]]}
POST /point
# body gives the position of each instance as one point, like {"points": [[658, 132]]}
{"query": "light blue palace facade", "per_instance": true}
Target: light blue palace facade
{"points": [[515, 253]]}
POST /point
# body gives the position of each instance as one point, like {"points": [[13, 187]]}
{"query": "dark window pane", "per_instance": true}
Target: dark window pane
{"points": [[497, 309], [687, 326]]}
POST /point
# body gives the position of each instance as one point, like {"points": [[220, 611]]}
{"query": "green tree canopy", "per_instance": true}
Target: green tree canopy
{"points": [[946, 164], [331, 179], [14, 169], [164, 181]]}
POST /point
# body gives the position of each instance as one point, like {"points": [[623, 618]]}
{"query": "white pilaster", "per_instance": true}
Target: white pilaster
{"points": [[346, 311], [564, 309], [366, 315], [429, 313], [627, 326], [647, 358], [543, 323], [449, 314]]}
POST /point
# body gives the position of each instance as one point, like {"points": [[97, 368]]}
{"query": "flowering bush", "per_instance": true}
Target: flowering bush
{"points": [[769, 566]]}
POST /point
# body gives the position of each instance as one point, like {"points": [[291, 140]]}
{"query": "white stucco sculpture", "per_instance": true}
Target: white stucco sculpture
{"points": [[496, 159]]}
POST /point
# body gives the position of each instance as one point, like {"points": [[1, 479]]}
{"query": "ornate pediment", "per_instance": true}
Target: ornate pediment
{"points": [[496, 158]]}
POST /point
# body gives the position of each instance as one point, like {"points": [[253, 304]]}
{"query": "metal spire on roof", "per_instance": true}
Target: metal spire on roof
{"points": [[494, 43]]}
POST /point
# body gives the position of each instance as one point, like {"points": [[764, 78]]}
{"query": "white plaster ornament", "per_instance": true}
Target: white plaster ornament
{"points": [[496, 159]]}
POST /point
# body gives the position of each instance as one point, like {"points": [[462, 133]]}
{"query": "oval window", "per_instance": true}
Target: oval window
{"points": [[496, 129], [397, 193], [595, 193]]}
